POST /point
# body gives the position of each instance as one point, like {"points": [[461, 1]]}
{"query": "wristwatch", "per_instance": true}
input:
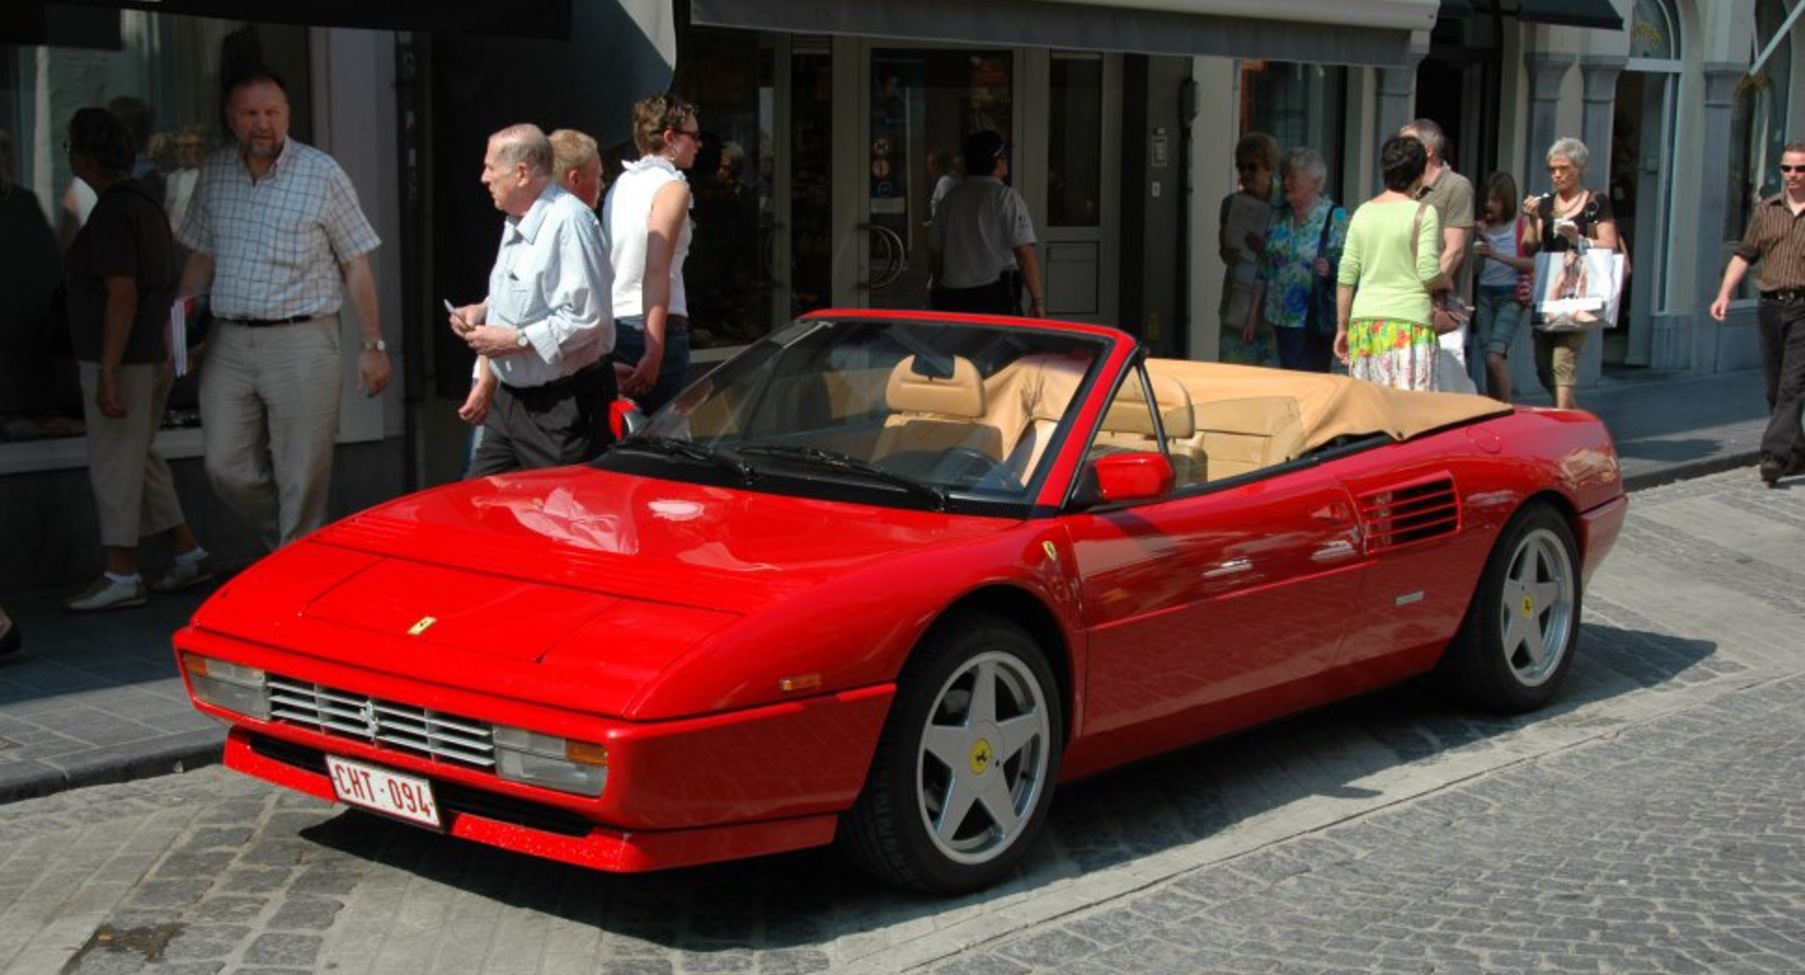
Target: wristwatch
{"points": [[520, 338], [375, 345]]}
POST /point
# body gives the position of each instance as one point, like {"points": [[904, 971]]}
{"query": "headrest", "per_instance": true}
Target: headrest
{"points": [[1128, 412], [960, 394]]}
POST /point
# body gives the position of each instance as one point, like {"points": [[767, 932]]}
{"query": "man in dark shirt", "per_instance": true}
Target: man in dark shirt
{"points": [[1776, 239]]}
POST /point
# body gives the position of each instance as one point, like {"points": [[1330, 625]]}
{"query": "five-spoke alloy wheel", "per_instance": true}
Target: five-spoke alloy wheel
{"points": [[1520, 632], [965, 768]]}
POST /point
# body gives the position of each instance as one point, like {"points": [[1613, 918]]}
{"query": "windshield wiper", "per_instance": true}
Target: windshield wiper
{"points": [[673, 447], [847, 462]]}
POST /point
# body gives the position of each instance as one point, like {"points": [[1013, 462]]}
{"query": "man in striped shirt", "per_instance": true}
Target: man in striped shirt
{"points": [[278, 238], [1776, 240]]}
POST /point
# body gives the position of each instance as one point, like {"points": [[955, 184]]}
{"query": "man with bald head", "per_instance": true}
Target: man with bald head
{"points": [[546, 327]]}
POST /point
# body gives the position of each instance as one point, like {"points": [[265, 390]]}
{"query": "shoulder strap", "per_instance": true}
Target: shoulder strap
{"points": [[1328, 221], [1416, 230]]}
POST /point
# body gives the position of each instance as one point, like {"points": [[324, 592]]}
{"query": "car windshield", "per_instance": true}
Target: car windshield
{"points": [[915, 412]]}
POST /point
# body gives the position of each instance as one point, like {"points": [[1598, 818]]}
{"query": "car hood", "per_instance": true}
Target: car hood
{"points": [[569, 585]]}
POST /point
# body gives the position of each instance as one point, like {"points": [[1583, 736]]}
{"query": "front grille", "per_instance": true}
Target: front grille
{"points": [[446, 737]]}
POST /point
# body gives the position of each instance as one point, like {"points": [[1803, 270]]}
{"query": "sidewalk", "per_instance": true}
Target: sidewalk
{"points": [[96, 698]]}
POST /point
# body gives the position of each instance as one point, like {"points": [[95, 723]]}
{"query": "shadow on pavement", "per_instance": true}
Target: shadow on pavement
{"points": [[814, 897]]}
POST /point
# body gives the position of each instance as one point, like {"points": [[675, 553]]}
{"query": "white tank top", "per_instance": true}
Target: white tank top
{"points": [[626, 218]]}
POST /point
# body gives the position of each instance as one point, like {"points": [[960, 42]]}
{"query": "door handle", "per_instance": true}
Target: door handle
{"points": [[1228, 568]]}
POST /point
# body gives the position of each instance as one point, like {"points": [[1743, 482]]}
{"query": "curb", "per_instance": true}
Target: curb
{"points": [[143, 760], [1671, 473]]}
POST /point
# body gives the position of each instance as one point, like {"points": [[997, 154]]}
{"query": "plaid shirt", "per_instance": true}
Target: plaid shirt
{"points": [[277, 243]]}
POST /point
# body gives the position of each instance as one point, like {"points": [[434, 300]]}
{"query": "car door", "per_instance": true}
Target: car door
{"points": [[1215, 593]]}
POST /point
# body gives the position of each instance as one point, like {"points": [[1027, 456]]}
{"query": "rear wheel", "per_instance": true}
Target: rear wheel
{"points": [[964, 771], [1522, 627]]}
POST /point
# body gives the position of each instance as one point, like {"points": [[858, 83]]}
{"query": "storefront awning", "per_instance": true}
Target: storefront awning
{"points": [[1570, 13], [1561, 13], [540, 18], [1372, 32]]}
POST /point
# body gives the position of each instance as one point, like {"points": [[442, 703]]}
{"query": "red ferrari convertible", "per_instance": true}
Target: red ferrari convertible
{"points": [[885, 579]]}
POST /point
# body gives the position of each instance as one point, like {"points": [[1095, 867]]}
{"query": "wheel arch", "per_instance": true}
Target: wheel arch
{"points": [[1025, 610]]}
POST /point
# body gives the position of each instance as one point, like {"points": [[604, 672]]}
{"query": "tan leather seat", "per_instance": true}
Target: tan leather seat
{"points": [[934, 414], [1128, 425], [1237, 436], [1026, 400]]}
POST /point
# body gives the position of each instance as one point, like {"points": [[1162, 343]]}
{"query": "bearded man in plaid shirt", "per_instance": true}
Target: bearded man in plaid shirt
{"points": [[277, 236]]}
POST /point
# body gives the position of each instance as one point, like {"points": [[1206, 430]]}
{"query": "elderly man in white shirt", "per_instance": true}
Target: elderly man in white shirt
{"points": [[546, 327]]}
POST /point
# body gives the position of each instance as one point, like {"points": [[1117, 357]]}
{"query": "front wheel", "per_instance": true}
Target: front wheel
{"points": [[964, 770], [1520, 631]]}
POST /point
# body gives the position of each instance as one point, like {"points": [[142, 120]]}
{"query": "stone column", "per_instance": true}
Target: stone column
{"points": [[1396, 105], [1600, 77], [1699, 349], [1547, 69]]}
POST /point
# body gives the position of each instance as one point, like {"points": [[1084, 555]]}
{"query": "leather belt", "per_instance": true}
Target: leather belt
{"points": [[267, 322], [1784, 294]]}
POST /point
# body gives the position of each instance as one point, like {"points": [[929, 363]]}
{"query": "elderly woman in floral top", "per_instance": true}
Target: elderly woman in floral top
{"points": [[1297, 269]]}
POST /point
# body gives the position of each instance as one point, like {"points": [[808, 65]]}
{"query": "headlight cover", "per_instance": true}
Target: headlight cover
{"points": [[234, 687], [530, 758]]}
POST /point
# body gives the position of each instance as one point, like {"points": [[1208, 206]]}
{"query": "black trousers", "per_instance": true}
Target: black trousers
{"points": [[561, 422], [1000, 297], [1782, 329]]}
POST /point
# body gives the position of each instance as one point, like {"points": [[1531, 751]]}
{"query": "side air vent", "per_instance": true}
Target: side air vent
{"points": [[1413, 513]]}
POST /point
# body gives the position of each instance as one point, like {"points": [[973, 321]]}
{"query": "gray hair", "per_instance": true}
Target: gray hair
{"points": [[1575, 151], [1429, 134], [524, 143], [1306, 160]]}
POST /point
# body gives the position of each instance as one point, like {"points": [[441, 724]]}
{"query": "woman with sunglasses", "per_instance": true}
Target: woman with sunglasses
{"points": [[1242, 222], [1569, 219], [646, 220]]}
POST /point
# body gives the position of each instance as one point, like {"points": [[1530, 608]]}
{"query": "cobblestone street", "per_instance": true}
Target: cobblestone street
{"points": [[1652, 820]]}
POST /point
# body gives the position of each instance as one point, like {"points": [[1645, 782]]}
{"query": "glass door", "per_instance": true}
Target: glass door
{"points": [[922, 103]]}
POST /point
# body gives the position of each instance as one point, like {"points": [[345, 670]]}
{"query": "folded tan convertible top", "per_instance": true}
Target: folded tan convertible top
{"points": [[1329, 406]]}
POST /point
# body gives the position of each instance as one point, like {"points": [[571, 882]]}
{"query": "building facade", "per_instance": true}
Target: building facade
{"points": [[829, 123]]}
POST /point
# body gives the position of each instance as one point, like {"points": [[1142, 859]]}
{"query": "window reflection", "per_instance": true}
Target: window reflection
{"points": [[160, 74]]}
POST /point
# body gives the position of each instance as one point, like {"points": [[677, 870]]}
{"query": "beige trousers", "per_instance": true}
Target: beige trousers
{"points": [[134, 493], [269, 417]]}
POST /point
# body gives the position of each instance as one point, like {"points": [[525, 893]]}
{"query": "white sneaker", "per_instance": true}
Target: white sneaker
{"points": [[107, 594], [181, 576]]}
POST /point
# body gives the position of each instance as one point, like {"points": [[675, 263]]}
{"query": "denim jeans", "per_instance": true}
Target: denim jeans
{"points": [[673, 370], [1497, 319]]}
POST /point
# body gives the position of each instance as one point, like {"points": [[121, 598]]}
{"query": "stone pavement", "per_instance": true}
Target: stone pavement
{"points": [[1649, 821], [94, 699]]}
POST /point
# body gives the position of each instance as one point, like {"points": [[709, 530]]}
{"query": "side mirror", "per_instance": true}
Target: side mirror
{"points": [[1126, 477]]}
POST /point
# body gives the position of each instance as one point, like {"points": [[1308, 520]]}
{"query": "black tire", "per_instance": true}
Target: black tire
{"points": [[1522, 628], [943, 737]]}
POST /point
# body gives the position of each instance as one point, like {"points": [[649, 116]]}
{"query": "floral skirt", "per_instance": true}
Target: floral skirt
{"points": [[1392, 352]]}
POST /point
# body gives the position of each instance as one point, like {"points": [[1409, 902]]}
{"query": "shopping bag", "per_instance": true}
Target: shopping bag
{"points": [[1578, 289]]}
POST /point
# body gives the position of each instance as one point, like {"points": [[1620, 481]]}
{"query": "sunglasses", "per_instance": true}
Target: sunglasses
{"points": [[1792, 169], [1248, 167]]}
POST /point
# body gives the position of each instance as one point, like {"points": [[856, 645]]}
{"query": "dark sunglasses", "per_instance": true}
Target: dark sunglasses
{"points": [[1792, 169]]}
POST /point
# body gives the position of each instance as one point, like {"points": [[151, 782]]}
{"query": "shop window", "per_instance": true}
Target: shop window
{"points": [[727, 278], [1299, 104], [1074, 164], [161, 74]]}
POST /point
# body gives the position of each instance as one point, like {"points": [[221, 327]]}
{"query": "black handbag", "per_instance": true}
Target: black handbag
{"points": [[1319, 315]]}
